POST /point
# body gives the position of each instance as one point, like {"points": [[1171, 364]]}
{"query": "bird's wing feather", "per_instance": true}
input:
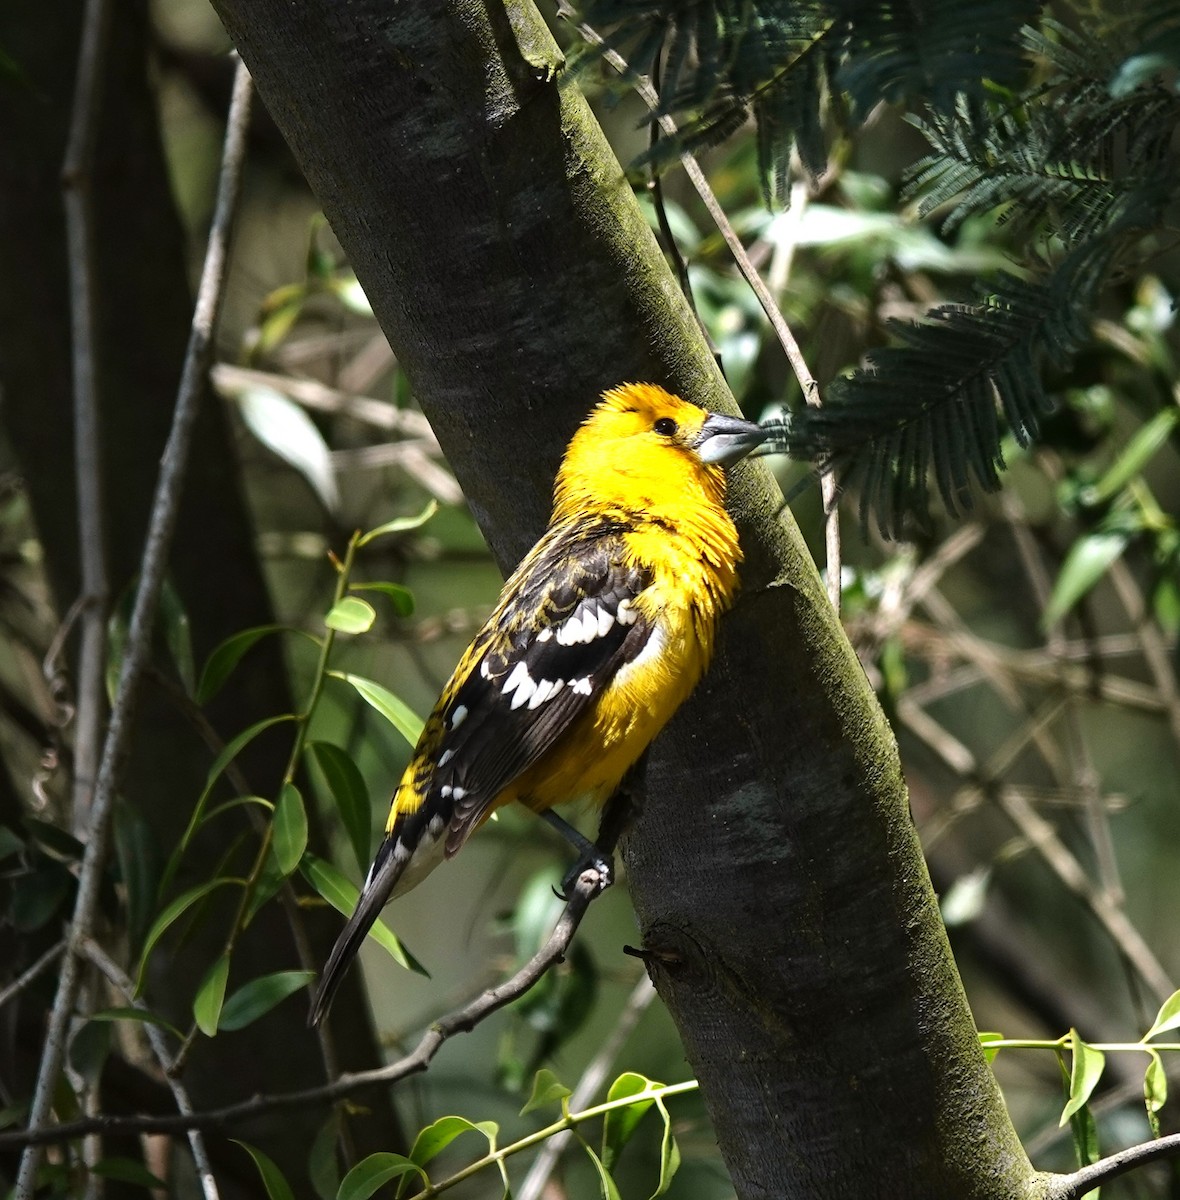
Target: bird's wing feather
{"points": [[549, 653]]}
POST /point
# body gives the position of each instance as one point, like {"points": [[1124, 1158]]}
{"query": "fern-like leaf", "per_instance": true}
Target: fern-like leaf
{"points": [[938, 401]]}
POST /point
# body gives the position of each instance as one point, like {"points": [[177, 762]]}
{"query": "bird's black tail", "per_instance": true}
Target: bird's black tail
{"points": [[387, 868]]}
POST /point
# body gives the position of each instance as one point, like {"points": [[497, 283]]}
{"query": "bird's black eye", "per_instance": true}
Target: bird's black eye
{"points": [[665, 426]]}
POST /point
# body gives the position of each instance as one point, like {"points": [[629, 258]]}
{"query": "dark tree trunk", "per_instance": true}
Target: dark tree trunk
{"points": [[775, 871]]}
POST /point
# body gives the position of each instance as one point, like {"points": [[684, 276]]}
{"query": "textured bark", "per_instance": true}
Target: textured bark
{"points": [[775, 870], [144, 308]]}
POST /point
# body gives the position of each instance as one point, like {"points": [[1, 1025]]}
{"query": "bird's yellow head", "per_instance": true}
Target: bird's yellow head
{"points": [[643, 448]]}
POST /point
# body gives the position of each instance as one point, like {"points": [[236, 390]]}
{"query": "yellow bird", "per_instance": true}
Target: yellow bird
{"points": [[598, 637]]}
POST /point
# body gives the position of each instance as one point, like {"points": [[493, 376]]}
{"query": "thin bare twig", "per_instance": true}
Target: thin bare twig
{"points": [[462, 1020], [33, 973], [537, 1179], [155, 1036], [161, 524], [1086, 1179], [1043, 838], [76, 179]]}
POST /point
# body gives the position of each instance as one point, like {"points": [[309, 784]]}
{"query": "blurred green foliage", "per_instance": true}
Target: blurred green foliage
{"points": [[1027, 655]]}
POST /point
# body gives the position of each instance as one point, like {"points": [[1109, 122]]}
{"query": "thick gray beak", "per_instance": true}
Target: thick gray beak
{"points": [[726, 440]]}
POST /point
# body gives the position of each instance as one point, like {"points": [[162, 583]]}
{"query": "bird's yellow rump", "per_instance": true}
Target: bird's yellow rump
{"points": [[598, 637]]}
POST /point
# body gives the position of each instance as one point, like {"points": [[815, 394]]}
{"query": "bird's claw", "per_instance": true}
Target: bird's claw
{"points": [[600, 864]]}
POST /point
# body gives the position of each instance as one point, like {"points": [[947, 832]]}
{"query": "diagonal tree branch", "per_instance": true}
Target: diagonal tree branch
{"points": [[461, 1020]]}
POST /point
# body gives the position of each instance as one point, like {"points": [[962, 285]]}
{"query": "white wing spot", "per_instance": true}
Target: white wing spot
{"points": [[458, 793], [520, 682], [485, 669], [460, 714], [446, 791], [605, 621], [626, 615], [545, 634], [545, 689], [581, 686], [445, 757]]}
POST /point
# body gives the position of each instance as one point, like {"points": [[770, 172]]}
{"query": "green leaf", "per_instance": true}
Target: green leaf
{"points": [[1167, 1018], [290, 829], [606, 1185], [342, 896], [985, 1040], [89, 1048], [227, 755], [669, 1154], [1088, 1065], [1155, 1090], [57, 841], [1088, 560], [351, 615], [277, 1187], [395, 711], [547, 1088], [322, 1168], [374, 1172], [436, 1137], [620, 1124], [267, 885], [401, 597], [256, 998], [177, 634], [140, 867], [1135, 456], [220, 664], [347, 786], [143, 1015], [127, 1170], [180, 905], [400, 524], [210, 997], [284, 428], [10, 843]]}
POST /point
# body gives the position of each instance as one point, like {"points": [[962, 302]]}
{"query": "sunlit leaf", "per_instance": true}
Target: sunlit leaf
{"points": [[606, 1185], [437, 1136], [374, 1172], [1155, 1090], [395, 711], [400, 524], [1085, 1073], [547, 1089], [210, 997], [1134, 457], [669, 1153], [985, 1040], [284, 428], [351, 615], [620, 1124], [1168, 1017], [1089, 558]]}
